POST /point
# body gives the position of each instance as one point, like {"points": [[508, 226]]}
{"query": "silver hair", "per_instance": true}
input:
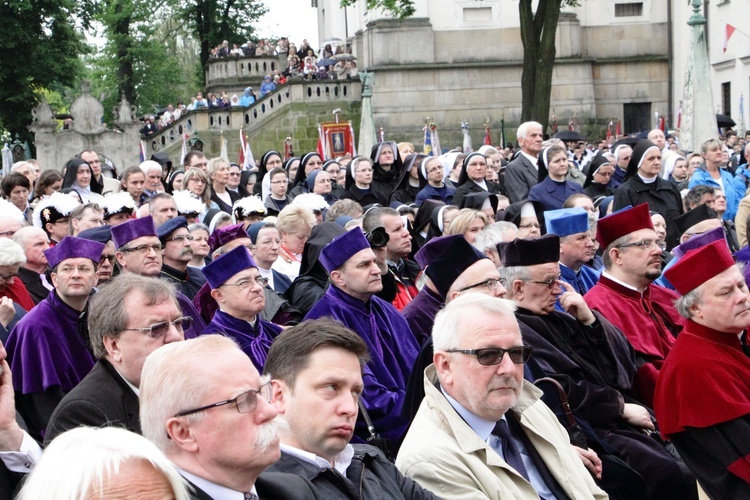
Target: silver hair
{"points": [[446, 331], [81, 462], [170, 384], [524, 129], [493, 234], [108, 316], [684, 303], [11, 253], [513, 273], [22, 235]]}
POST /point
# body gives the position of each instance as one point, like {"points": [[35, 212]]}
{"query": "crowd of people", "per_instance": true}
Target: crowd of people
{"points": [[330, 63], [552, 321]]}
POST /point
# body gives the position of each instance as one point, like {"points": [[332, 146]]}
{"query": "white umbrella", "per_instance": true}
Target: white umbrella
{"points": [[332, 41]]}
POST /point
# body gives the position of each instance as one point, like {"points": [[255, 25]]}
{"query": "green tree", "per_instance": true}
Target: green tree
{"points": [[399, 8], [149, 56], [39, 48], [213, 21]]}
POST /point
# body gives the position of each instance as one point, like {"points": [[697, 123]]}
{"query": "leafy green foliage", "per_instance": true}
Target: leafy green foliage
{"points": [[213, 21], [399, 8], [39, 48]]}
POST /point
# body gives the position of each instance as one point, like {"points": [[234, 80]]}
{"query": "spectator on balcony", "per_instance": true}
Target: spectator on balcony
{"points": [[303, 48], [150, 128], [199, 102], [167, 117], [267, 86], [262, 49], [236, 51], [310, 69], [248, 49], [213, 101], [223, 49], [247, 98], [282, 47], [224, 101]]}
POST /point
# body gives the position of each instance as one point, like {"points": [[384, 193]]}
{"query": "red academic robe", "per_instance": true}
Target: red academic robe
{"points": [[649, 321], [18, 293], [702, 402]]}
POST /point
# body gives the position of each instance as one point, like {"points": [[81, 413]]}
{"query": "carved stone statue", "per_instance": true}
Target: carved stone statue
{"points": [[43, 115], [124, 112], [368, 80], [87, 112]]}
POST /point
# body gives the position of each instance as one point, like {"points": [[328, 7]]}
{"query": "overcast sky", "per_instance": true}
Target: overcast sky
{"points": [[292, 18]]}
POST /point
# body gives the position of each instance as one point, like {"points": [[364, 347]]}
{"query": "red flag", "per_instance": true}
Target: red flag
{"points": [[609, 130], [679, 117], [570, 125], [241, 157], [617, 130], [487, 139], [554, 124], [728, 30]]}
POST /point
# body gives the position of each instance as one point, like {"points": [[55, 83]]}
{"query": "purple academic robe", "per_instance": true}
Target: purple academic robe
{"points": [[393, 350], [254, 341], [420, 313], [46, 349]]}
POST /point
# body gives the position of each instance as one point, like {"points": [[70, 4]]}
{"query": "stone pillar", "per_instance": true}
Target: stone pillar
{"points": [[698, 115]]}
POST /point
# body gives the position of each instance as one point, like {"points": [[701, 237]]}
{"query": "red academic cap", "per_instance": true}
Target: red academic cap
{"points": [[623, 222], [700, 265]]}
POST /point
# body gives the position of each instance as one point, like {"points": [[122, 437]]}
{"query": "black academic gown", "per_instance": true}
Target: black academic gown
{"points": [[596, 366]]}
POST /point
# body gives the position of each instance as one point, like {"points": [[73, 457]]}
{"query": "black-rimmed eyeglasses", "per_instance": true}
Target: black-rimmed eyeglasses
{"points": [[645, 244], [494, 355], [548, 282], [245, 402], [491, 284]]}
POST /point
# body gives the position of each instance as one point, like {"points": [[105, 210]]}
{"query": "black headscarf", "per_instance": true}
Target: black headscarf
{"points": [[300, 177], [476, 201], [169, 188], [639, 152], [263, 170], [392, 176], [464, 176], [599, 161], [71, 171]]}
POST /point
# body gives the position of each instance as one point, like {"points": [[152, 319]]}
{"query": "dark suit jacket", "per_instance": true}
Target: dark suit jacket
{"points": [[102, 398], [33, 284], [520, 176], [272, 486]]}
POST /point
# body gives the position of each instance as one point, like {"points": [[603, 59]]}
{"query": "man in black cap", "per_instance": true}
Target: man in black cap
{"points": [[591, 358], [176, 255], [696, 221]]}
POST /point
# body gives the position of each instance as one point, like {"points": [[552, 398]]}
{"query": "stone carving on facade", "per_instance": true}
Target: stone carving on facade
{"points": [[43, 116], [87, 112], [124, 113]]}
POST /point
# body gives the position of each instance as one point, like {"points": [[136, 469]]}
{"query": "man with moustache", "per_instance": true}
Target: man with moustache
{"points": [[206, 407], [177, 253], [626, 296], [482, 431], [702, 396], [316, 370]]}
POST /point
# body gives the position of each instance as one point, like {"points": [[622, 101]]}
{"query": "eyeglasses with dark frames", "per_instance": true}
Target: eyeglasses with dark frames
{"points": [[494, 355], [244, 284], [548, 282], [158, 330], [245, 402], [491, 284], [143, 248]]}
